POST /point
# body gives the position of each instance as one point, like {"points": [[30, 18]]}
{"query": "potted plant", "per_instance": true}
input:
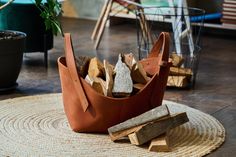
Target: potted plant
{"points": [[11, 53], [12, 42]]}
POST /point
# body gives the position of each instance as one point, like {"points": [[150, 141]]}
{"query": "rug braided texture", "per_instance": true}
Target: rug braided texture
{"points": [[37, 126]]}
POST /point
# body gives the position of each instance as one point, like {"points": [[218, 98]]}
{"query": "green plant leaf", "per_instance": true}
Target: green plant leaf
{"points": [[57, 10], [50, 12]]}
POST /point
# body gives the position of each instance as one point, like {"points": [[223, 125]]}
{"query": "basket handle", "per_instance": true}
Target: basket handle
{"points": [[161, 48], [70, 61]]}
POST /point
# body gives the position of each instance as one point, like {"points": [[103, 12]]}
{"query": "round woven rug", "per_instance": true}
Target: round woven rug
{"points": [[37, 126]]}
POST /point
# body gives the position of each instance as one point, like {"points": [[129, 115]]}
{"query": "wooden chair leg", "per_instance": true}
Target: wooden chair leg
{"points": [[99, 21], [103, 24]]}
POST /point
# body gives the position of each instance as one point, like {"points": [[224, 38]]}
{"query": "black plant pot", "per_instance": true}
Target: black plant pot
{"points": [[12, 45]]}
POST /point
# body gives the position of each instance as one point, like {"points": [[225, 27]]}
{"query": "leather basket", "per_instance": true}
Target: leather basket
{"points": [[89, 111]]}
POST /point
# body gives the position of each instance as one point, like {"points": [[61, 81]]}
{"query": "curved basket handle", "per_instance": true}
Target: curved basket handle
{"points": [[70, 61], [161, 47]]}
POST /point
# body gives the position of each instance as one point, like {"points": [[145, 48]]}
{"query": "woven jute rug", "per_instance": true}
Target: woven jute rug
{"points": [[37, 126]]}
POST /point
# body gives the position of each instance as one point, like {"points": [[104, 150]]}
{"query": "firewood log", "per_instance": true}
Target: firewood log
{"points": [[98, 84], [82, 64], [178, 81], [180, 71], [96, 68], [160, 143], [138, 86], [129, 60], [123, 84], [109, 78], [138, 74], [131, 125], [177, 60], [154, 129]]}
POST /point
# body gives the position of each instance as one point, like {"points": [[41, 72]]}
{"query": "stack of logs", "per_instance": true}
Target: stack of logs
{"points": [[179, 76], [125, 79], [150, 127]]}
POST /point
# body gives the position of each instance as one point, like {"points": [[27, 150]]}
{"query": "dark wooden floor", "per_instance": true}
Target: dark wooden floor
{"points": [[214, 93]]}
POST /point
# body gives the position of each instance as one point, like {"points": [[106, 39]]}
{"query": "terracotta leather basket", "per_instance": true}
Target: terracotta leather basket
{"points": [[89, 111]]}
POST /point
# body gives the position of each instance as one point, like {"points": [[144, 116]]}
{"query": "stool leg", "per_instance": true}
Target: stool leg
{"points": [[45, 51], [98, 24], [102, 27]]}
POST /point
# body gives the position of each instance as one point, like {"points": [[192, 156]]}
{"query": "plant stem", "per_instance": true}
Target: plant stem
{"points": [[6, 4]]}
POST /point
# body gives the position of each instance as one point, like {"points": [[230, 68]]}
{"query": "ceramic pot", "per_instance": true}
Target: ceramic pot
{"points": [[12, 44]]}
